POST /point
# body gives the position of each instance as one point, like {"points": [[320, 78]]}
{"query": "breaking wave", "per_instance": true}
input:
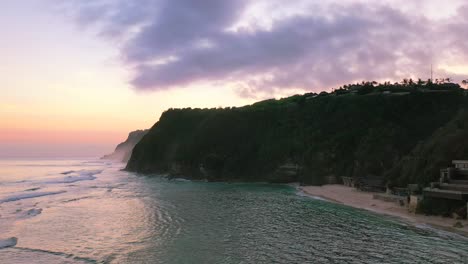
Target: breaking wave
{"points": [[28, 195], [75, 176]]}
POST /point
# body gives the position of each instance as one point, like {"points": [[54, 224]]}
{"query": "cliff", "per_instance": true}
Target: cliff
{"points": [[123, 151], [359, 131], [423, 163]]}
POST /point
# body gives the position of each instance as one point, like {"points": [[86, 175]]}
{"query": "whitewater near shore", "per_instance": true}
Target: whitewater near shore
{"points": [[364, 200], [90, 211]]}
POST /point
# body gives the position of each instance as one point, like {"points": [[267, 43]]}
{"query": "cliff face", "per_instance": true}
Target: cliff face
{"points": [[123, 151], [423, 163], [323, 137]]}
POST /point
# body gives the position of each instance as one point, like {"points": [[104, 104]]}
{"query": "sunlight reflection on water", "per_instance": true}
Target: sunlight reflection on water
{"points": [[120, 217]]}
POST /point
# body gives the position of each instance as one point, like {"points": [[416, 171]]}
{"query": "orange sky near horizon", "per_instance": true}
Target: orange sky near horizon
{"points": [[65, 91]]}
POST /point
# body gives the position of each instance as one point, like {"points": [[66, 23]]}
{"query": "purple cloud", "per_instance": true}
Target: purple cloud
{"points": [[175, 43]]}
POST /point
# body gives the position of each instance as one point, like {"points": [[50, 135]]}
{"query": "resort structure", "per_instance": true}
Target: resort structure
{"points": [[448, 196], [452, 185]]}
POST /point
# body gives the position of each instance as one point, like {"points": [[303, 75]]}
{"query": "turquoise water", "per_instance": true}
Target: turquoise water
{"points": [[72, 211]]}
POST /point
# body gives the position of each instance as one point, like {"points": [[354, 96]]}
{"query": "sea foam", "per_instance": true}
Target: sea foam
{"points": [[75, 176], [28, 195]]}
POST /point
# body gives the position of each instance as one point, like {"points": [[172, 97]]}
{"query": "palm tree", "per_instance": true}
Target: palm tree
{"points": [[465, 82]]}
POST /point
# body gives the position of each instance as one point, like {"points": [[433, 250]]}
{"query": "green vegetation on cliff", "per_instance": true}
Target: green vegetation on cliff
{"points": [[363, 130], [423, 163]]}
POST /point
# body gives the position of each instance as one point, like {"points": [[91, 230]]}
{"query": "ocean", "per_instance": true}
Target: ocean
{"points": [[90, 211]]}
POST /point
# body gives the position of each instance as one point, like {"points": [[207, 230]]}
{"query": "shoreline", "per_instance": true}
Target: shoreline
{"points": [[349, 196]]}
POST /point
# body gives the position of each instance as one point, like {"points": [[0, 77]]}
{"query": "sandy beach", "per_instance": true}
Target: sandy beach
{"points": [[364, 200]]}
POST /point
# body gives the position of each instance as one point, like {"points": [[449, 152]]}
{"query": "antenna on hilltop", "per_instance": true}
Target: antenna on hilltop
{"points": [[432, 80]]}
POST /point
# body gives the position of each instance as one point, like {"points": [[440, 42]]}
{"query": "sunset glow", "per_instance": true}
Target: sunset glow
{"points": [[66, 81]]}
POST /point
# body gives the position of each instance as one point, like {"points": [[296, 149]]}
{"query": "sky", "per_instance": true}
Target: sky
{"points": [[78, 75]]}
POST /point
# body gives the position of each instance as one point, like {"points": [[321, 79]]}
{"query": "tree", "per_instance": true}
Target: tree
{"points": [[465, 83]]}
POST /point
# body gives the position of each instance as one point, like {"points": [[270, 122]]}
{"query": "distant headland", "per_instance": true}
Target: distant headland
{"points": [[123, 151]]}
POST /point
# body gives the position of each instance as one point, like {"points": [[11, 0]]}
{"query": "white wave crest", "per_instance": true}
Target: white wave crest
{"points": [[75, 176], [28, 195]]}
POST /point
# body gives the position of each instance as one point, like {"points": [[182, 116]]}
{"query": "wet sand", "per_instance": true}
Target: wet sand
{"points": [[364, 200]]}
